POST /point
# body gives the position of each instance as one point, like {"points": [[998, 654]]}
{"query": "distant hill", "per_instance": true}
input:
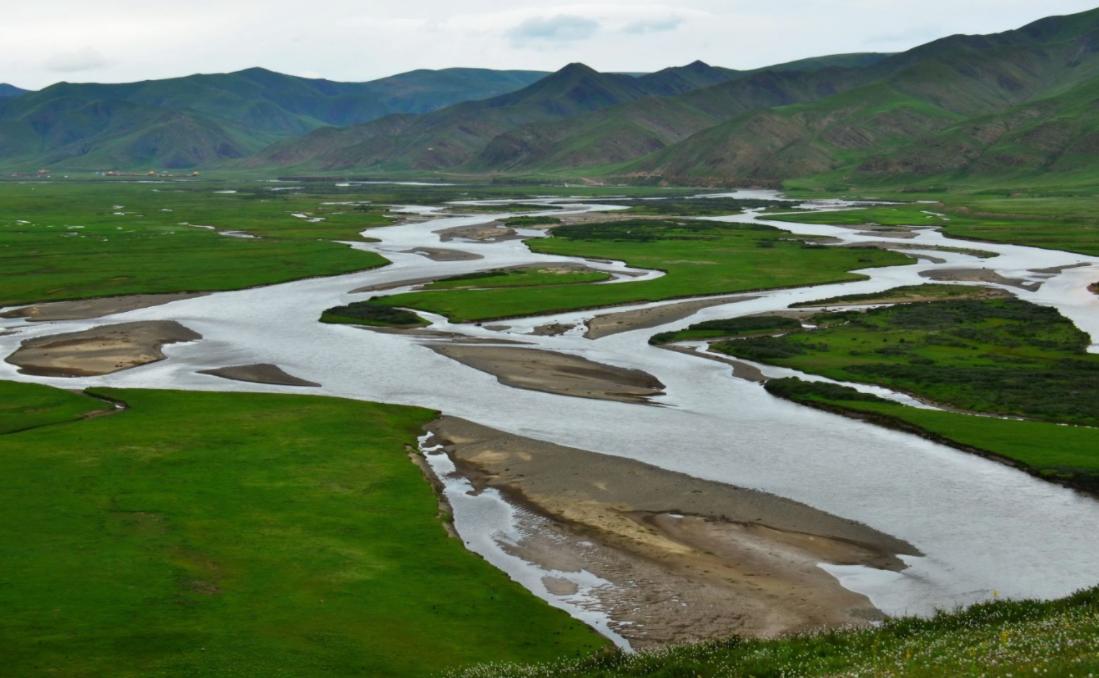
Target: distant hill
{"points": [[455, 136], [1015, 102], [7, 90], [203, 119]]}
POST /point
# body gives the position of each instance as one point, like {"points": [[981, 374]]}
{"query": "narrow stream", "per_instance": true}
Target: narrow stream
{"points": [[986, 529]]}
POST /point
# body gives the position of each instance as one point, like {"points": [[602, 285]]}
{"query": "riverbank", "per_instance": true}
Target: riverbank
{"points": [[689, 559]]}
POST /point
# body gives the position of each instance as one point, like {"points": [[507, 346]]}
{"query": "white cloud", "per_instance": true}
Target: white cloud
{"points": [[560, 28], [74, 61], [654, 25]]}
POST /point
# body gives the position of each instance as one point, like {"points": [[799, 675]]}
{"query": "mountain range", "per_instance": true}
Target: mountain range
{"points": [[1006, 106], [202, 120]]}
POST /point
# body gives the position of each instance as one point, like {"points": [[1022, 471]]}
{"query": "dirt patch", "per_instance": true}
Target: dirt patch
{"points": [[887, 232], [626, 321], [978, 275], [559, 373], [259, 374], [100, 350], [445, 254], [975, 293], [491, 232], [689, 559], [552, 329], [86, 309]]}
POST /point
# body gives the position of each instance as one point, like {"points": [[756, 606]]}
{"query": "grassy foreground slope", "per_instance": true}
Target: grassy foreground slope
{"points": [[700, 258], [1059, 638], [1052, 451], [238, 534], [75, 240]]}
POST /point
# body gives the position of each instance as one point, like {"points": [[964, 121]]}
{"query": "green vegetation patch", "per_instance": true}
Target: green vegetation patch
{"points": [[528, 276], [700, 258], [732, 327], [1000, 638], [997, 356], [90, 239], [1067, 454], [27, 406], [372, 314], [244, 534], [909, 294], [528, 222]]}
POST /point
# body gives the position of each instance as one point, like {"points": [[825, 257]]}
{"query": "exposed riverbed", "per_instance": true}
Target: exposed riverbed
{"points": [[984, 529]]}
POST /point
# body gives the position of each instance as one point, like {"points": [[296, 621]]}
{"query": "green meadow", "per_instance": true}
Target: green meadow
{"points": [[238, 534], [1050, 450], [699, 258], [76, 240], [998, 356]]}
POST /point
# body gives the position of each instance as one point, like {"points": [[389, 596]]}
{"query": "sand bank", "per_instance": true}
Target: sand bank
{"points": [[626, 321], [100, 350], [978, 275], [445, 254], [259, 374], [689, 559], [85, 309], [558, 373]]}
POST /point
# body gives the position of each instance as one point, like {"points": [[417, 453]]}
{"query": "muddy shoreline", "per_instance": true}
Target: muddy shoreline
{"points": [[689, 559], [87, 309]]}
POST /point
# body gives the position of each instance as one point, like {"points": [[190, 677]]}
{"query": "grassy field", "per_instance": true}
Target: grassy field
{"points": [[88, 239], [28, 406], [700, 258], [997, 356], [1052, 451], [997, 639], [1061, 223], [530, 276], [236, 534]]}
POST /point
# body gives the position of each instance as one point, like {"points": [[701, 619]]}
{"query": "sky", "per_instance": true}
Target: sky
{"points": [[46, 41]]}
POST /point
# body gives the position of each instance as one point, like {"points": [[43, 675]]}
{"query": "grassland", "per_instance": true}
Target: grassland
{"points": [[528, 276], [78, 240], [1061, 223], [996, 356], [699, 258], [1000, 638], [238, 534], [28, 406], [1067, 454]]}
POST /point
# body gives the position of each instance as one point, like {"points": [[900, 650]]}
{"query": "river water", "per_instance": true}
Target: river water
{"points": [[986, 529]]}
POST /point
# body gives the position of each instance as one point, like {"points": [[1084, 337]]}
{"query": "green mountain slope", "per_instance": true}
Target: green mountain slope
{"points": [[966, 96], [7, 90], [204, 119], [455, 136]]}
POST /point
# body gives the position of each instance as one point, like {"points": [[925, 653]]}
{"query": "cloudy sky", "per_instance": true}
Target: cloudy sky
{"points": [[45, 41]]}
